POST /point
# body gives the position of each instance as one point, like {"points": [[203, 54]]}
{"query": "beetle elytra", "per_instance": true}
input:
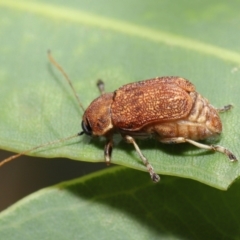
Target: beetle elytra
{"points": [[166, 108]]}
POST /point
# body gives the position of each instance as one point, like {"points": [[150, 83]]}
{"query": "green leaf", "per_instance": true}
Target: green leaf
{"points": [[119, 42], [124, 204]]}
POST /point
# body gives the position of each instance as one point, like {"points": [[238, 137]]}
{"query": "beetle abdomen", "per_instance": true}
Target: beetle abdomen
{"points": [[203, 122]]}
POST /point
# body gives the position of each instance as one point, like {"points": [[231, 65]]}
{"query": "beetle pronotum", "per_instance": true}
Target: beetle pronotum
{"points": [[167, 108]]}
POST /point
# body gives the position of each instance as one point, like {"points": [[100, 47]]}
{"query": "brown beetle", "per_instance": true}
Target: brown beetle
{"points": [[167, 108]]}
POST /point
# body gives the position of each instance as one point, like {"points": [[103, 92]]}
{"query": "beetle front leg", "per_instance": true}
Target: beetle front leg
{"points": [[216, 148], [108, 151], [155, 177]]}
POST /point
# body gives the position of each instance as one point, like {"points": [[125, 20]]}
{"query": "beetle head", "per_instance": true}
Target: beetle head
{"points": [[97, 119]]}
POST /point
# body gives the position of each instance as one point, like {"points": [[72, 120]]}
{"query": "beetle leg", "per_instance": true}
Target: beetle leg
{"points": [[224, 108], [100, 85], [216, 148], [155, 177], [108, 151]]}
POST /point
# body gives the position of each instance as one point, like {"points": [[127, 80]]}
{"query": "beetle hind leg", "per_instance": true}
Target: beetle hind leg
{"points": [[154, 176], [216, 148], [225, 108]]}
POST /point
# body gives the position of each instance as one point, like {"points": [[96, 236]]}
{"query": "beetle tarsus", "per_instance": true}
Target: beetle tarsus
{"points": [[155, 178], [225, 108], [230, 155]]}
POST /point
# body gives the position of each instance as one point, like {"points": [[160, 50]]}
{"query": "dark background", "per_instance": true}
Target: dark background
{"points": [[26, 174]]}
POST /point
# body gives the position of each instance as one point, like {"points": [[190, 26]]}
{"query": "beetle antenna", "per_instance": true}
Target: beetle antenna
{"points": [[54, 62], [9, 159]]}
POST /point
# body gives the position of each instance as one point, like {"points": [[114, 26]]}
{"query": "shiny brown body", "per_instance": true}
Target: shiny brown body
{"points": [[167, 108]]}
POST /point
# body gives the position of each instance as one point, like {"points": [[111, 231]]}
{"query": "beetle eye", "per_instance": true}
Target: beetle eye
{"points": [[86, 128]]}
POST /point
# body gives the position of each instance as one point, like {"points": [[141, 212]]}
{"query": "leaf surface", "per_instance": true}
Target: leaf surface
{"points": [[122, 203], [119, 42]]}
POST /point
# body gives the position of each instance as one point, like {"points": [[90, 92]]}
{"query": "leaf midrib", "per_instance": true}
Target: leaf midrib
{"points": [[90, 19]]}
